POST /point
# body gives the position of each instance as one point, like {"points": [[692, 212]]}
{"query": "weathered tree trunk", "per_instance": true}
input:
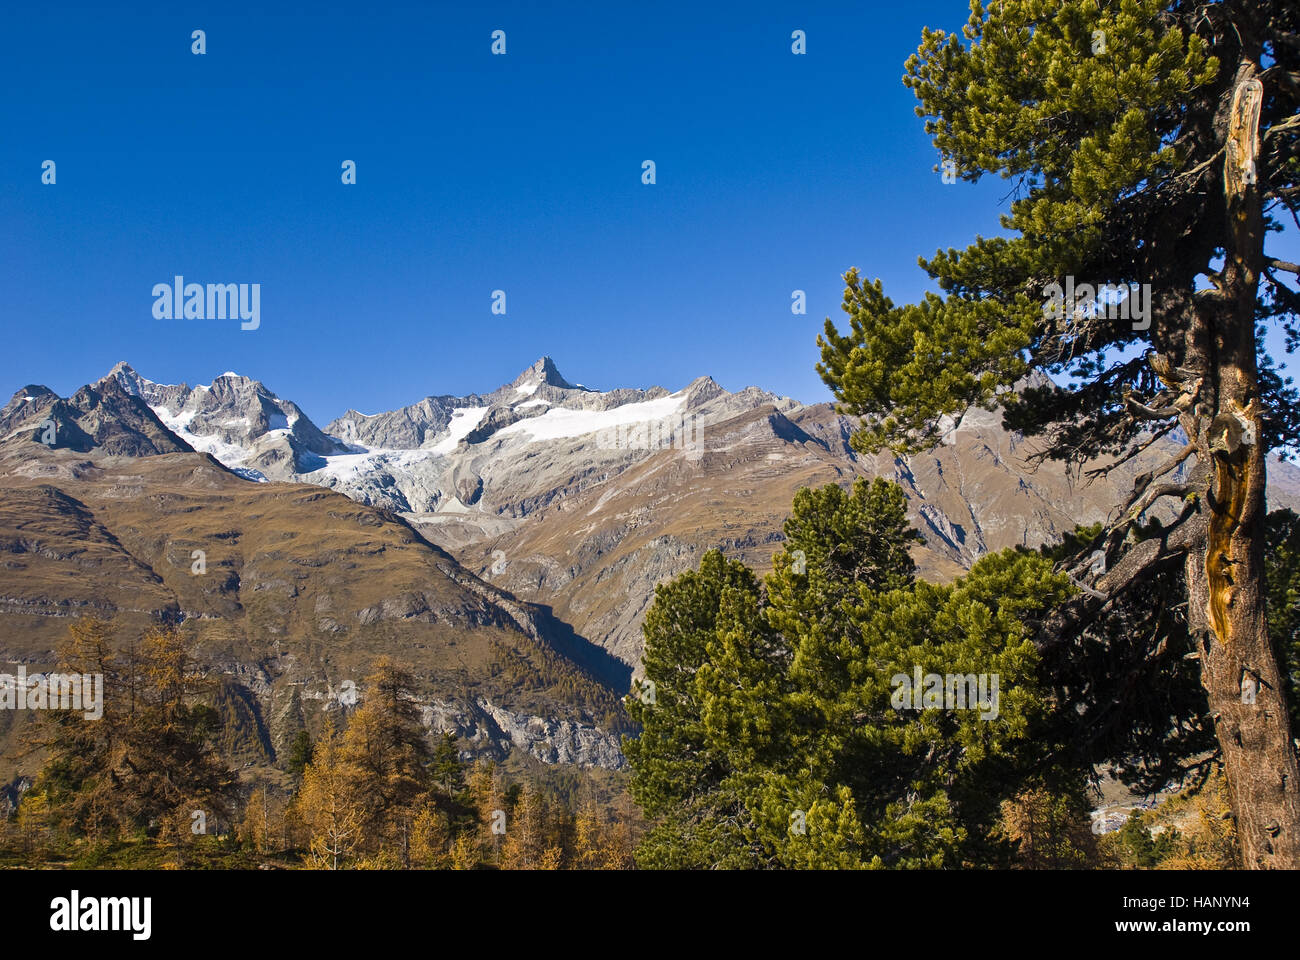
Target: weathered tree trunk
{"points": [[1243, 688], [1225, 583]]}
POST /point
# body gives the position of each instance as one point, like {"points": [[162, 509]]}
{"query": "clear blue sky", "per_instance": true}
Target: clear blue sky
{"points": [[475, 172]]}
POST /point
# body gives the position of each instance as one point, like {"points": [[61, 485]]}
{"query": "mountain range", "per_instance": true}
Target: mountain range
{"points": [[505, 546]]}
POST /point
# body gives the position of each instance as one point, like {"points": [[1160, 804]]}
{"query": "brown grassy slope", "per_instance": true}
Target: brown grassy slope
{"points": [[303, 587]]}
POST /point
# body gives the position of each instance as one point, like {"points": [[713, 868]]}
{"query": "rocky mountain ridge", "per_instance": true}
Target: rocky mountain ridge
{"points": [[557, 506]]}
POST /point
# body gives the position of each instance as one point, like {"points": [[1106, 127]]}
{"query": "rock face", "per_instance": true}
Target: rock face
{"points": [[237, 420], [11, 794], [494, 731], [102, 417]]}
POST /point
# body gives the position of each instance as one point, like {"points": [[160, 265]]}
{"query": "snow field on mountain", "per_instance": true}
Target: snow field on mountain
{"points": [[563, 422]]}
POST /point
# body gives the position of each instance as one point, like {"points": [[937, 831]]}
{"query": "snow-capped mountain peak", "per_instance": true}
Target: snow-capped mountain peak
{"points": [[543, 371], [443, 455], [235, 419]]}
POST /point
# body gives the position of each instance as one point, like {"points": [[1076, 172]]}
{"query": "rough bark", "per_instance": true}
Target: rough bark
{"points": [[1238, 667]]}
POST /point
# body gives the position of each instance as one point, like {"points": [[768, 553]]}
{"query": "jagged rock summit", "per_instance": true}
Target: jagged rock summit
{"points": [[237, 420]]}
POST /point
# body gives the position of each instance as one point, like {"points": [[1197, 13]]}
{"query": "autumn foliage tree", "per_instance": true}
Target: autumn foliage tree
{"points": [[329, 806], [150, 761]]}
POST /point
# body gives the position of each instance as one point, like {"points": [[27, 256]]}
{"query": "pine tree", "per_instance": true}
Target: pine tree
{"points": [[680, 777], [1150, 141], [871, 781], [299, 755], [447, 771], [793, 699]]}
